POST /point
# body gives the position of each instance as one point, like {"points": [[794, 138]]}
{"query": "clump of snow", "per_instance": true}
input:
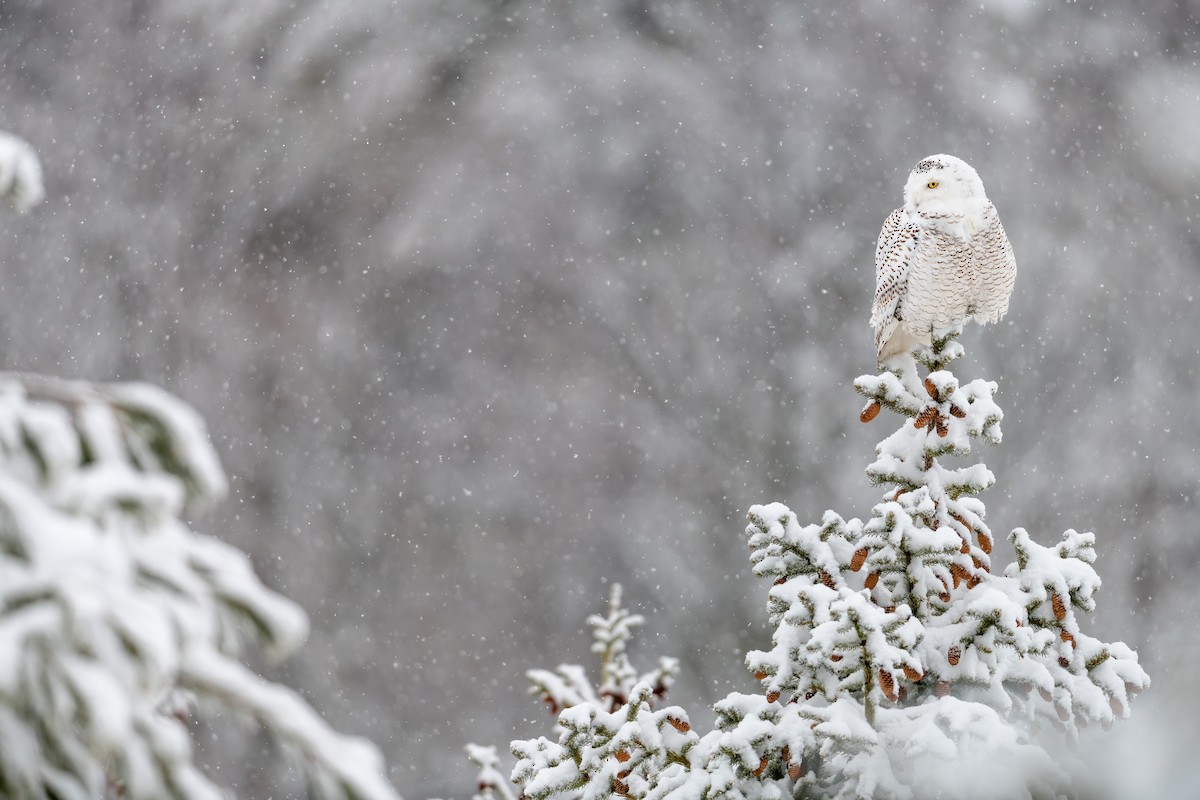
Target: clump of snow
{"points": [[20, 173]]}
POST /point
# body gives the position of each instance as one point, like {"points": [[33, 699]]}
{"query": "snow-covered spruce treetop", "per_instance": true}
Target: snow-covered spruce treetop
{"points": [[612, 733], [902, 666], [116, 618]]}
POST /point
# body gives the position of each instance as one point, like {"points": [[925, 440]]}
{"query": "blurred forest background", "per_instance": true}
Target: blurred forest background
{"points": [[489, 304]]}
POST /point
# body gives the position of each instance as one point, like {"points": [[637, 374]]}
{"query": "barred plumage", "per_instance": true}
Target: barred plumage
{"points": [[942, 259]]}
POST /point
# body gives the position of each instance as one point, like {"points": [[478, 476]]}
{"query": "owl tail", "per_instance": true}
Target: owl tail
{"points": [[892, 339]]}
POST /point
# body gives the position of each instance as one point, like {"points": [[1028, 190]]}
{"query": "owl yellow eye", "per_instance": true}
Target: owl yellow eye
{"points": [[932, 184]]}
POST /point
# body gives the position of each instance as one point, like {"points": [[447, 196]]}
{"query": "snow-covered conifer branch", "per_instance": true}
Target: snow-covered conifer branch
{"points": [[113, 612], [20, 173], [491, 783], [568, 684]]}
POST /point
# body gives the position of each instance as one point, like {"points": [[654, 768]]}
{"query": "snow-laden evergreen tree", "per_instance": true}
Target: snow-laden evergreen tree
{"points": [[902, 666], [117, 620]]}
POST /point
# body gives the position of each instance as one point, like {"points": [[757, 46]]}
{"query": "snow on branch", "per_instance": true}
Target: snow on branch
{"points": [[20, 173], [492, 784], [113, 612]]}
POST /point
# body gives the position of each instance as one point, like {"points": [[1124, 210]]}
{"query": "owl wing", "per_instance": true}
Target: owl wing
{"points": [[997, 265], [893, 256]]}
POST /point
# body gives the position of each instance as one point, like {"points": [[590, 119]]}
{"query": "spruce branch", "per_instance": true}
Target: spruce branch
{"points": [[116, 615], [491, 783], [611, 633], [944, 350]]}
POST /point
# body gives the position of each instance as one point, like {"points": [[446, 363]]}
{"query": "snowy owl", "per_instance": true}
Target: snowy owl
{"points": [[942, 259]]}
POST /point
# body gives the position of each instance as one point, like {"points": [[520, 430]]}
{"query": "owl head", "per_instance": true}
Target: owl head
{"points": [[945, 184]]}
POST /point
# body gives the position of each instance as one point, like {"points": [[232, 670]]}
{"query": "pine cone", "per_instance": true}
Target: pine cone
{"points": [[954, 654], [888, 685], [810, 694], [779, 581], [1067, 637], [771, 698], [682, 725], [1065, 663], [925, 417], [623, 774], [931, 388], [835, 657], [796, 771], [872, 580], [985, 542], [912, 674], [1060, 608], [785, 755], [959, 574], [870, 412], [760, 676], [762, 767], [860, 557], [957, 412], [827, 579], [944, 597], [622, 756], [620, 787], [966, 547], [943, 688], [942, 428]]}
